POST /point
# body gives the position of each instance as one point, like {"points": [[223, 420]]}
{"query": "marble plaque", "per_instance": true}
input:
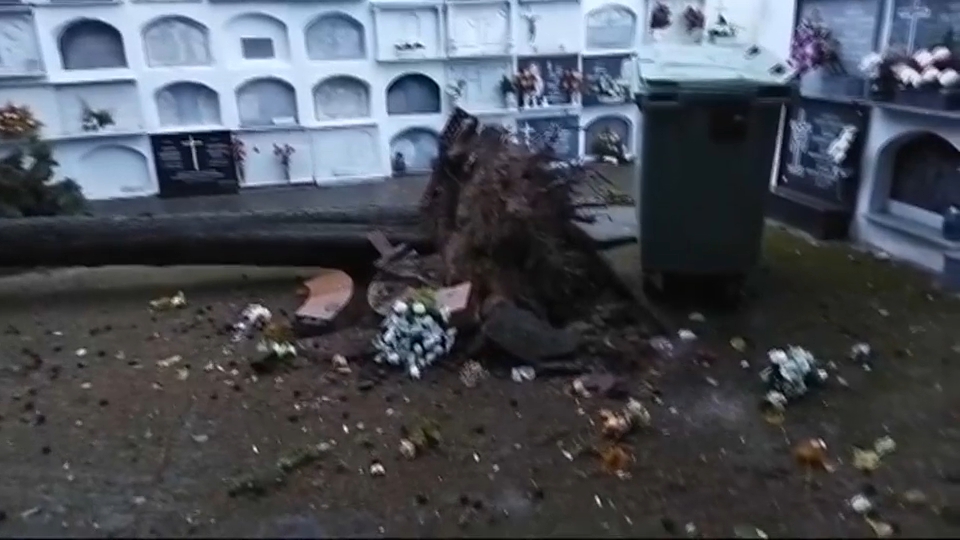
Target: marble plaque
{"points": [[550, 69], [478, 29], [267, 102], [413, 94], [482, 78], [191, 164], [188, 104], [559, 135], [415, 149], [176, 41], [611, 27], [336, 36], [341, 97], [346, 153], [90, 44], [19, 50]]}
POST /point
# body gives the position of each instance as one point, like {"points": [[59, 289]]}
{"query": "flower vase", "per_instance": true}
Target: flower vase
{"points": [[510, 100], [528, 101], [576, 99]]}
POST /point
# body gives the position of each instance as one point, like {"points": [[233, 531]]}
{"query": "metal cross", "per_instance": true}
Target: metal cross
{"points": [[800, 131], [526, 131], [193, 144], [914, 14]]}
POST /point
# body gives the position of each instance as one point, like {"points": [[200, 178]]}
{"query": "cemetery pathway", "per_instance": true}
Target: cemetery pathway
{"points": [[119, 421]]}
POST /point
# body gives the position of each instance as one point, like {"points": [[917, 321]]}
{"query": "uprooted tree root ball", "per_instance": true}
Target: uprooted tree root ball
{"points": [[503, 217]]}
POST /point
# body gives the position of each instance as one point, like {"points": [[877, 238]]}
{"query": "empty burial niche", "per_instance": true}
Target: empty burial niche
{"points": [[413, 94], [91, 44]]}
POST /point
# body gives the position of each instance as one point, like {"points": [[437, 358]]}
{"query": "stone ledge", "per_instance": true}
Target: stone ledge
{"points": [[929, 236]]}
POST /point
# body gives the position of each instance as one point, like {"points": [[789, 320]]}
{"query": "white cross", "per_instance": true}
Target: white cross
{"points": [[193, 144], [914, 13], [800, 131], [526, 131]]}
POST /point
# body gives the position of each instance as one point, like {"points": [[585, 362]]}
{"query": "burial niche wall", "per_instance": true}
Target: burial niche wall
{"points": [[926, 173], [341, 97], [258, 37], [91, 44], [176, 41], [413, 150], [612, 26], [413, 93], [19, 49], [96, 185], [266, 102], [336, 36], [188, 104]]}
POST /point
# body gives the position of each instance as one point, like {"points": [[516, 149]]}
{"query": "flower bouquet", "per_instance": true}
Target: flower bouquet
{"points": [[814, 47], [660, 16], [527, 83], [284, 154], [17, 122], [571, 83], [94, 119], [693, 18], [607, 90], [609, 147], [927, 78]]}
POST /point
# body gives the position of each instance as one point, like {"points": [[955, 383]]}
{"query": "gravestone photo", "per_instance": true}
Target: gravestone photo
{"points": [[190, 164]]}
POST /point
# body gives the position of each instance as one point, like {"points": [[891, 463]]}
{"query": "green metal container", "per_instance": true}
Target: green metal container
{"points": [[710, 120]]}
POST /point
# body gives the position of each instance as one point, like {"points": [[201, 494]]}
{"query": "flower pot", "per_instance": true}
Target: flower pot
{"points": [[576, 99], [928, 97]]}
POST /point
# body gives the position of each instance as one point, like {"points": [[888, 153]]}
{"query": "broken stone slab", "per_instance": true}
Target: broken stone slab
{"points": [[611, 225], [526, 336], [327, 294]]}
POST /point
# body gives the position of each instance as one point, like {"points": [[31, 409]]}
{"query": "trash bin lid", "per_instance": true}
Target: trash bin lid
{"points": [[709, 67]]}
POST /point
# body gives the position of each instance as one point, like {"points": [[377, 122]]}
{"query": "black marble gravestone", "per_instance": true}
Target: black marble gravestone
{"points": [[198, 163], [855, 24], [813, 192], [559, 135]]}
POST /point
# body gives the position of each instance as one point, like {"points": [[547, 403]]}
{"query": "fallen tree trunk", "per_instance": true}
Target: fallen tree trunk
{"points": [[171, 242]]}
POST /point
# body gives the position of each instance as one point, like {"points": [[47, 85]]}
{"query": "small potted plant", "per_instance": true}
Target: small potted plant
{"points": [[660, 16], [94, 119], [571, 83], [409, 49], [455, 91], [17, 122], [508, 89], [284, 154], [239, 151]]}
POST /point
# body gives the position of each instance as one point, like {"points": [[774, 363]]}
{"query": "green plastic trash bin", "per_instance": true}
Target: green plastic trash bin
{"points": [[710, 119]]}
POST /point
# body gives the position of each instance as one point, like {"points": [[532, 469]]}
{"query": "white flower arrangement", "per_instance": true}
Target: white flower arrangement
{"points": [[414, 336], [790, 375], [840, 146], [925, 67]]}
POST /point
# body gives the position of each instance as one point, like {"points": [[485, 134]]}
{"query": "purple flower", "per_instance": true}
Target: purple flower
{"points": [[660, 16]]}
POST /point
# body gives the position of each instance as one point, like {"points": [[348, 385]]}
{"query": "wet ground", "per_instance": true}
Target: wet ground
{"points": [[105, 433]]}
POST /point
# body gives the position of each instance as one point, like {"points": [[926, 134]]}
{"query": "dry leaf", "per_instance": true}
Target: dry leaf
{"points": [[615, 459]]}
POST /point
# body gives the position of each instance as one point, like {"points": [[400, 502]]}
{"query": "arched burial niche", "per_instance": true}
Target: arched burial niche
{"points": [[335, 36], [258, 37], [925, 173], [91, 44], [341, 97], [176, 41], [598, 136], [266, 102], [113, 157], [413, 150], [611, 27], [413, 94], [188, 104]]}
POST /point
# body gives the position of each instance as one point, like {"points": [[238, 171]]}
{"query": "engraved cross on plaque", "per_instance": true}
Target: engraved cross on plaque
{"points": [[914, 13], [800, 131], [193, 144], [526, 131]]}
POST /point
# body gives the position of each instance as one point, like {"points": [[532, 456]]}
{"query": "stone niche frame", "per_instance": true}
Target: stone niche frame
{"points": [[621, 124], [346, 154], [20, 55], [120, 99], [413, 93], [335, 35], [354, 95], [257, 26], [137, 178], [479, 28], [267, 102], [87, 43], [611, 27], [176, 41], [179, 102], [419, 146], [399, 26], [482, 77], [857, 25]]}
